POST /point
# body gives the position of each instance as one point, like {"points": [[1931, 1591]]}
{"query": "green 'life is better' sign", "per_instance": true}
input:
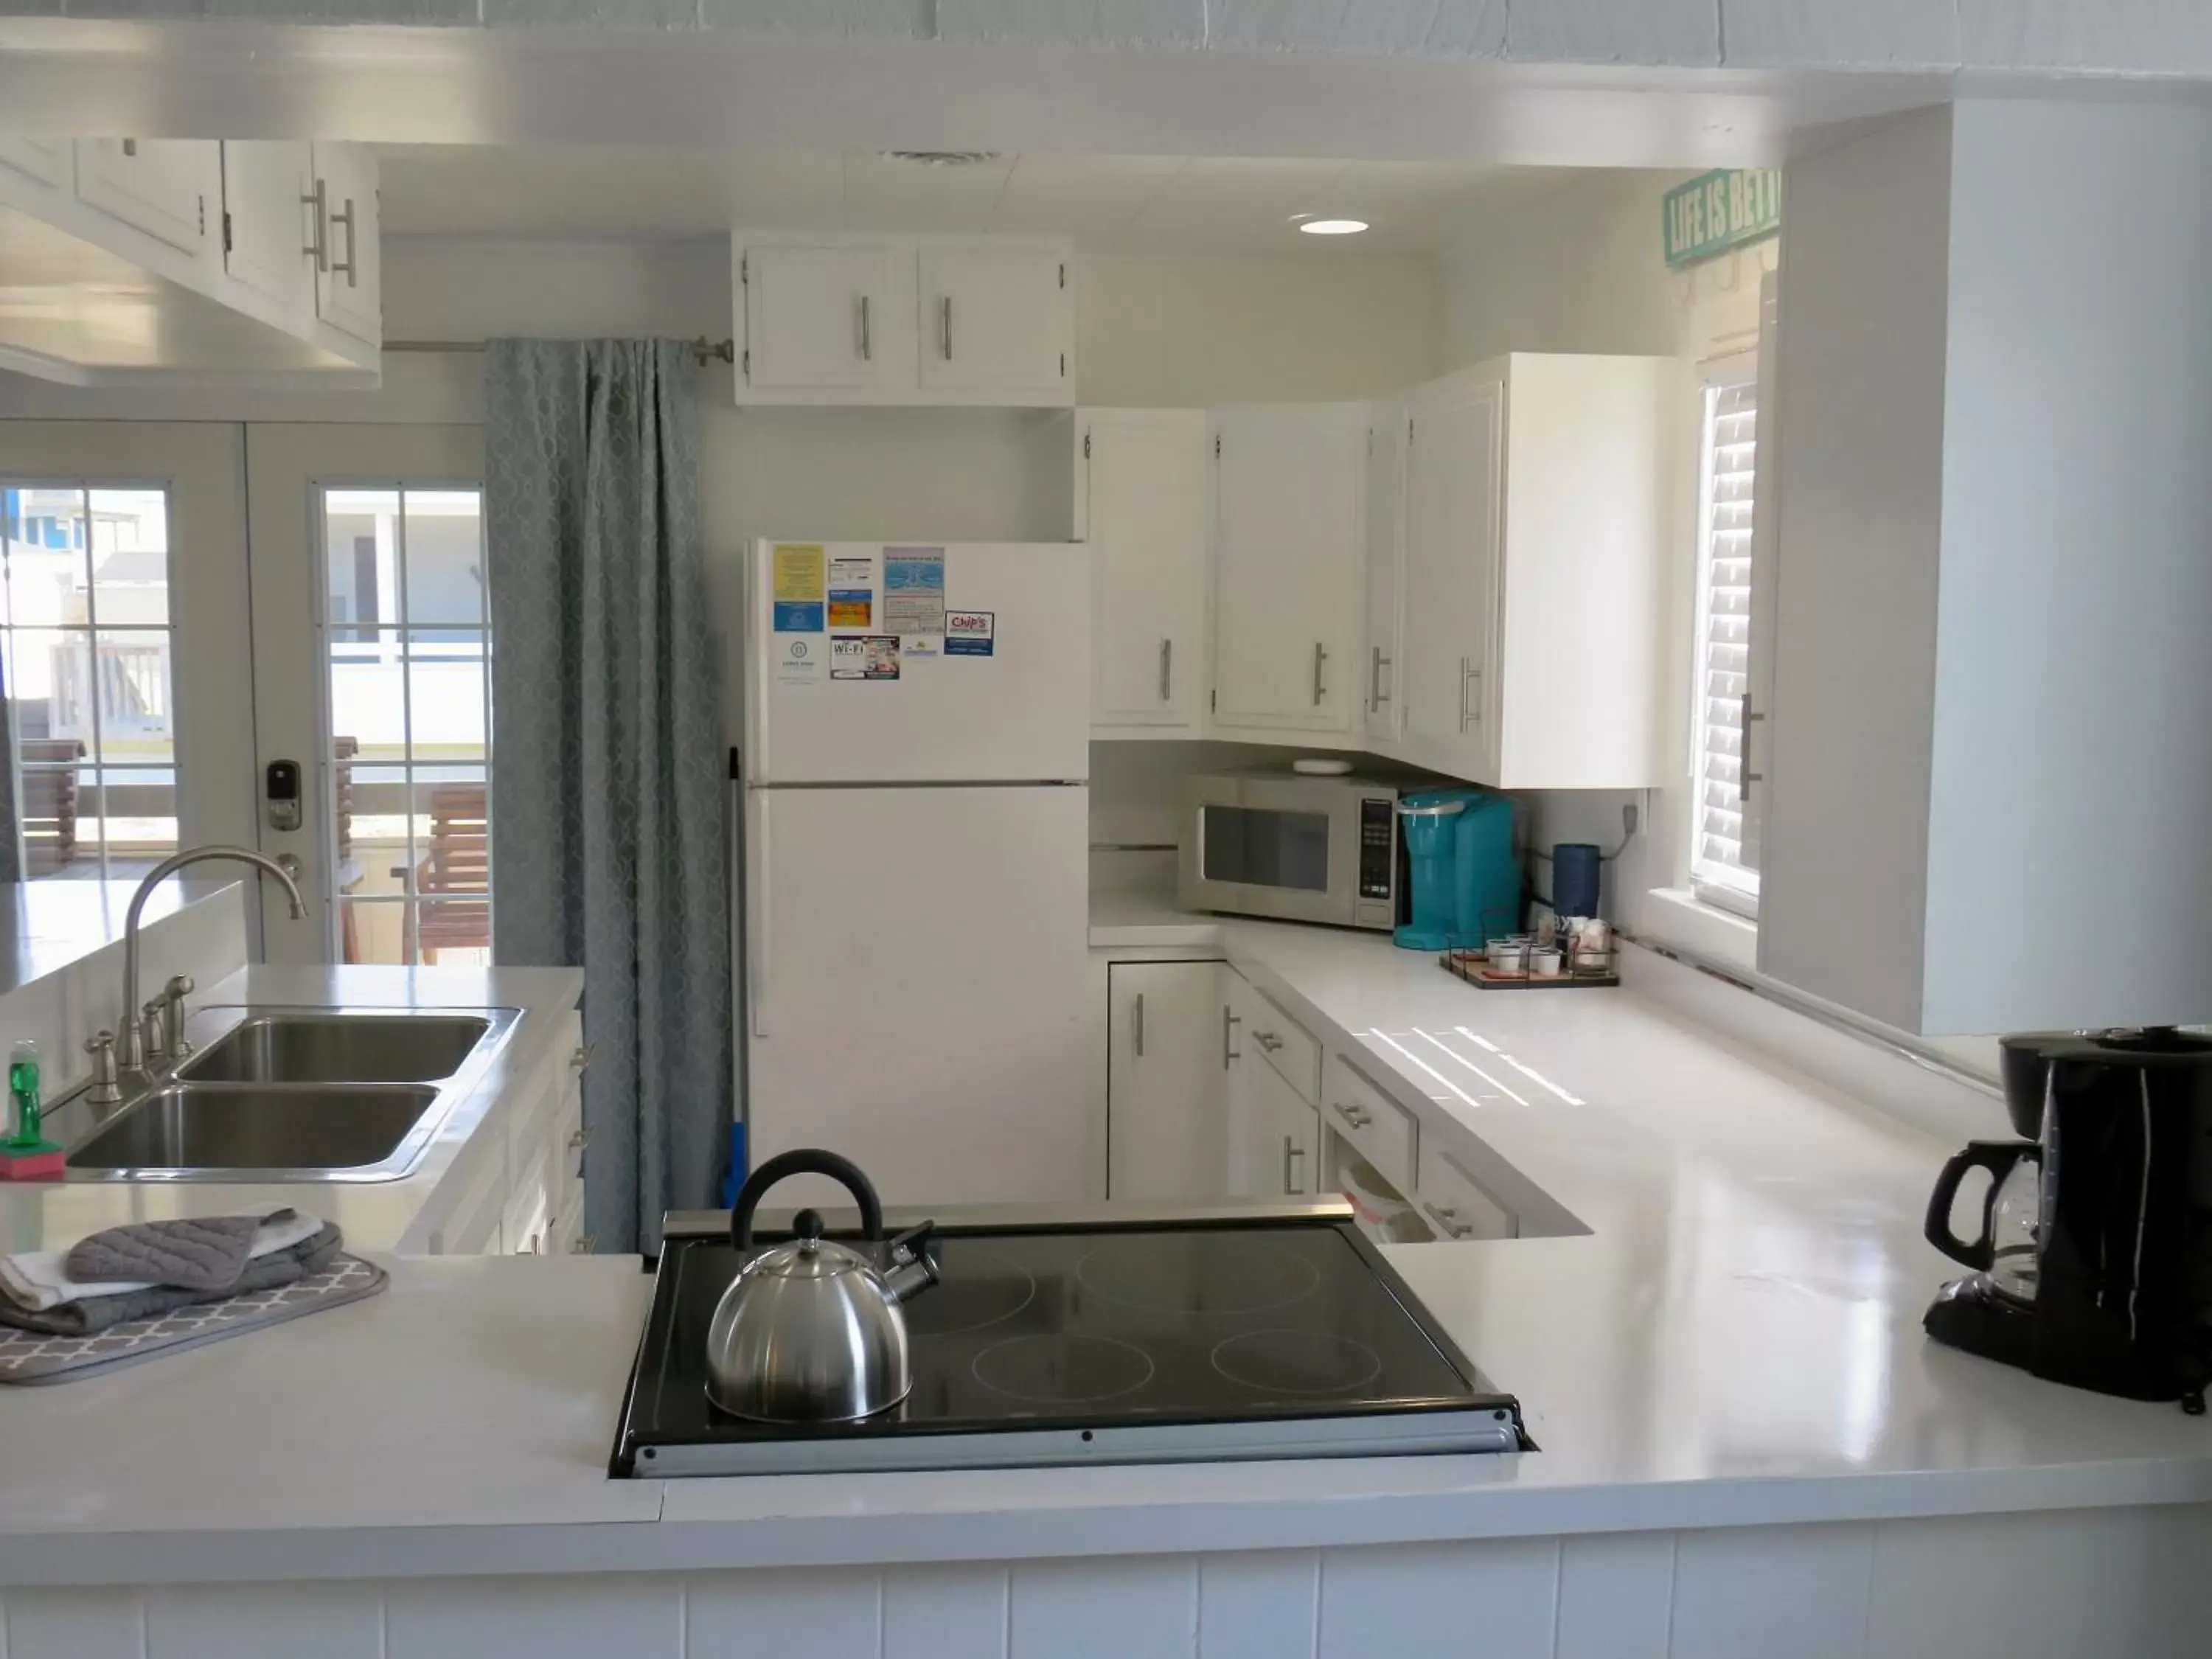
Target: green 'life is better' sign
{"points": [[1724, 209]]}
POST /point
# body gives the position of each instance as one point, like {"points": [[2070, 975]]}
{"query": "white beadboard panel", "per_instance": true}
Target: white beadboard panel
{"points": [[2167, 37], [1755, 1593], [1493, 1597], [1263, 1605], [343, 1620], [1104, 1608], [612, 1616], [1682, 33], [1884, 34], [1615, 1592], [2073, 1582], [835, 1614], [945, 1611], [74, 1624]]}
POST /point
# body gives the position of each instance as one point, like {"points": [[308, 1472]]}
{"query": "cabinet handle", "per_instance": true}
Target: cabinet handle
{"points": [[1229, 1023], [319, 244], [1267, 1039], [1470, 711], [1743, 751], [1137, 1025], [1358, 1116], [1294, 1156], [580, 1061], [1376, 696], [868, 347], [945, 325], [583, 1244], [351, 266], [1167, 670], [1447, 1218], [578, 1138], [1321, 656]]}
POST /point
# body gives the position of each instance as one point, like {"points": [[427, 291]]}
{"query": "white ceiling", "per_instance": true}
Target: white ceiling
{"points": [[1107, 202]]}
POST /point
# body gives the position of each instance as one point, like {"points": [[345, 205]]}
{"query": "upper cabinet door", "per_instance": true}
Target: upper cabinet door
{"points": [[1143, 479], [170, 188], [349, 272], [1453, 479], [1383, 667], [826, 317], [42, 159], [995, 320], [1288, 523], [270, 224]]}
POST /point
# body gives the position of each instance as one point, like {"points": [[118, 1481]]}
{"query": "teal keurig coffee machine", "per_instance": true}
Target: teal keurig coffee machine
{"points": [[1466, 883]]}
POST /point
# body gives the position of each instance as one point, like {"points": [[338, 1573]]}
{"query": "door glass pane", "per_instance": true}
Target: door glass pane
{"points": [[1263, 848], [445, 557], [87, 648], [410, 732]]}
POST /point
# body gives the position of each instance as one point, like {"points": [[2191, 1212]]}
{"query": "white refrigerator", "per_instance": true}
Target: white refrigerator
{"points": [[915, 851]]}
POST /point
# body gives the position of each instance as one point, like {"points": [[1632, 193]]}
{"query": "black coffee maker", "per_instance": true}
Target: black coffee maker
{"points": [[2095, 1257]]}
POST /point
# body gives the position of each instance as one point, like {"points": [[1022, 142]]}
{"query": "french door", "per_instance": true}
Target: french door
{"points": [[124, 642], [372, 687]]}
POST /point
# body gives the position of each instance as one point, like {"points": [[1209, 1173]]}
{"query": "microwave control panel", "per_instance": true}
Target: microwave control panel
{"points": [[1378, 847]]}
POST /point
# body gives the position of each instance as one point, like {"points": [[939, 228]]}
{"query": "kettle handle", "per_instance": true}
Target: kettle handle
{"points": [[805, 1161], [1997, 1156]]}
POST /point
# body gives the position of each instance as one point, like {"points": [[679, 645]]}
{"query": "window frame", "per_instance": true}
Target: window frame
{"points": [[1734, 888]]}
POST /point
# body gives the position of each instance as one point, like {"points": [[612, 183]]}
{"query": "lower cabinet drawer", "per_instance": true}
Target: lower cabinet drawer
{"points": [[1382, 1130], [1290, 1050], [1454, 1202]]}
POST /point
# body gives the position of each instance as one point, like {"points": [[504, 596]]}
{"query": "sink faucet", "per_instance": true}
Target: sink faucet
{"points": [[129, 1044]]}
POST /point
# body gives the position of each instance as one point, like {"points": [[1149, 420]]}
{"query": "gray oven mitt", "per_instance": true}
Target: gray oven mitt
{"points": [[95, 1314], [199, 1253]]}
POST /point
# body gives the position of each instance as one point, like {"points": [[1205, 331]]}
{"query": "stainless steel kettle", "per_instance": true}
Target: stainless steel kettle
{"points": [[811, 1331]]}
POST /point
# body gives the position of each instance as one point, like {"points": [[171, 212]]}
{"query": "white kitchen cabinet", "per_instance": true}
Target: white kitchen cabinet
{"points": [[1166, 1094], [830, 318], [269, 226], [1288, 528], [1142, 482], [349, 268], [1538, 511], [45, 160], [1279, 1152], [1457, 1205], [517, 1188], [827, 316], [1383, 703], [1454, 455], [995, 318], [170, 188]]}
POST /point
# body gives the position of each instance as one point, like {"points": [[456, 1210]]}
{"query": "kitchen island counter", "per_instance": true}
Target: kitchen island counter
{"points": [[1718, 1349]]}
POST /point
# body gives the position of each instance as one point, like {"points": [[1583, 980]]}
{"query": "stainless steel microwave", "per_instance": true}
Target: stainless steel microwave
{"points": [[1294, 848]]}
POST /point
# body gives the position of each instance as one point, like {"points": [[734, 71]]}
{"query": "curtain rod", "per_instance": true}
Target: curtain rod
{"points": [[705, 350]]}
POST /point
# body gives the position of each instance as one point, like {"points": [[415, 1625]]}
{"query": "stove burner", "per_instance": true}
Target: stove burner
{"points": [[1196, 1273], [983, 1289], [1062, 1369], [1297, 1362]]}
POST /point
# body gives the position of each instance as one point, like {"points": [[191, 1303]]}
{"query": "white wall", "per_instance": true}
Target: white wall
{"points": [[1581, 270]]}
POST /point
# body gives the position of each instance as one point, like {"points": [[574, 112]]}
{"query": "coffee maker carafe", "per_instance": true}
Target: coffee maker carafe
{"points": [[2093, 1257]]}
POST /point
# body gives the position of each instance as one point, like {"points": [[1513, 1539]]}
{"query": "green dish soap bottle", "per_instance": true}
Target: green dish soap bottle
{"points": [[23, 1090]]}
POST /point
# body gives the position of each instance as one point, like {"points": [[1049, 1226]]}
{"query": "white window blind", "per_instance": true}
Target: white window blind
{"points": [[1723, 860]]}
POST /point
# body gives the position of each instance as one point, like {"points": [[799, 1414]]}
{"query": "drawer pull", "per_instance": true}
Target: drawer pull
{"points": [[583, 1244], [580, 1061], [578, 1138], [1267, 1039], [1358, 1116], [1447, 1218]]}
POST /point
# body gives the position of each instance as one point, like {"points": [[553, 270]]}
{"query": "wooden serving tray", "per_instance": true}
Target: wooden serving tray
{"points": [[1471, 966]]}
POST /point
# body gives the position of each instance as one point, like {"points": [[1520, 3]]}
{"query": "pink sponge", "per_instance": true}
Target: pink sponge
{"points": [[40, 1161]]}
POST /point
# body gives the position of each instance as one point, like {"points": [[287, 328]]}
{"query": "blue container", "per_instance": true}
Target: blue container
{"points": [[1466, 881], [1574, 878]]}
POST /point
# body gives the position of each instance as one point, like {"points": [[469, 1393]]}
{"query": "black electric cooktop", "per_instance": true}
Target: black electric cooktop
{"points": [[1080, 1342]]}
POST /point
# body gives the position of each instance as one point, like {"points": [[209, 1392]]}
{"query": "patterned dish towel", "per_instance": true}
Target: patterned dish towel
{"points": [[92, 1314], [30, 1357]]}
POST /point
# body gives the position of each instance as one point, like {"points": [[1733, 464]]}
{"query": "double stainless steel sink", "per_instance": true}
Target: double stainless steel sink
{"points": [[299, 1094]]}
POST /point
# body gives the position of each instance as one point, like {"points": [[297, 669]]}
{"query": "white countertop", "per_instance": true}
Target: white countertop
{"points": [[374, 1215], [1734, 1341]]}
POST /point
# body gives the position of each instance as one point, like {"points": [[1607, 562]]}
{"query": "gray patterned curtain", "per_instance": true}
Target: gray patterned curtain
{"points": [[607, 820]]}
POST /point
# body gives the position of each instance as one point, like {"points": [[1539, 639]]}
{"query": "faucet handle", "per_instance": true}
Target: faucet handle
{"points": [[98, 1043], [103, 1090]]}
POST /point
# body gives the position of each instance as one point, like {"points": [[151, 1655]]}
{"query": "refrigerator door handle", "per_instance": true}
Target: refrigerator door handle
{"points": [[757, 914]]}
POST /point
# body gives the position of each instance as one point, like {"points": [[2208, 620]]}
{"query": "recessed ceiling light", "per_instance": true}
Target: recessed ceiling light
{"points": [[1332, 227]]}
